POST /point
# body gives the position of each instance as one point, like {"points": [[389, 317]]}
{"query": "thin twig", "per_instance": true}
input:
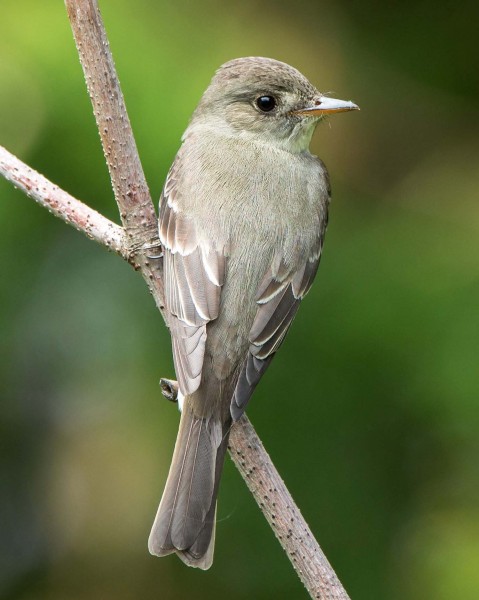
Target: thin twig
{"points": [[62, 205], [129, 184], [281, 512], [119, 147], [134, 243]]}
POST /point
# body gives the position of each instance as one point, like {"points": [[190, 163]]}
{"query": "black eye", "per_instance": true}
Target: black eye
{"points": [[266, 103]]}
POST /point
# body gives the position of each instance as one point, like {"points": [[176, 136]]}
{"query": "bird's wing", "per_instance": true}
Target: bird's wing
{"points": [[278, 297], [193, 276]]}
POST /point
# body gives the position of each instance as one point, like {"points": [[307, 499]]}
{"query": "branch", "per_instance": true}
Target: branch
{"points": [[119, 147], [62, 205], [129, 184], [284, 517], [135, 243]]}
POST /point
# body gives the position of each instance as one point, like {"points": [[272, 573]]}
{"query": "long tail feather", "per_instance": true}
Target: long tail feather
{"points": [[185, 521]]}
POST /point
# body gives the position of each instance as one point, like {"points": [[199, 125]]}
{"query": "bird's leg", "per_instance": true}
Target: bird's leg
{"points": [[169, 389], [154, 245]]}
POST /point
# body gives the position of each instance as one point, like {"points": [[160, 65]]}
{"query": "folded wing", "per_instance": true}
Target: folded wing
{"points": [[193, 275], [278, 298]]}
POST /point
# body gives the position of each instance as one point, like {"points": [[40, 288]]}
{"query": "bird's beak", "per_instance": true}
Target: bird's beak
{"points": [[324, 106]]}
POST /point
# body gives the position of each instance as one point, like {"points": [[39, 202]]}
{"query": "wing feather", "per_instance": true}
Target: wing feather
{"points": [[278, 297], [193, 275]]}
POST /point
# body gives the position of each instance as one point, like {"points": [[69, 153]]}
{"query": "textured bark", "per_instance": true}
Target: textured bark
{"points": [[62, 205], [284, 517], [137, 242], [129, 184]]}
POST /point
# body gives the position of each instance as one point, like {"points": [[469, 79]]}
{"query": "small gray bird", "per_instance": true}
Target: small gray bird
{"points": [[242, 220]]}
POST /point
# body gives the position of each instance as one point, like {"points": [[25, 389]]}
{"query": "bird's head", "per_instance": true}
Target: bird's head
{"points": [[267, 100]]}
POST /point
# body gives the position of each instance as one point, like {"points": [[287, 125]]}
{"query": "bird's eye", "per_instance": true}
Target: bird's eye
{"points": [[266, 103]]}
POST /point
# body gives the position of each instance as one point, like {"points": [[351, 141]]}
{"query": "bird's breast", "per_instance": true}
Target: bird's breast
{"points": [[239, 189], [253, 202]]}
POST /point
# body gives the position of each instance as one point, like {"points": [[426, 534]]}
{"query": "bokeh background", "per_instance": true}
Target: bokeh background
{"points": [[371, 409]]}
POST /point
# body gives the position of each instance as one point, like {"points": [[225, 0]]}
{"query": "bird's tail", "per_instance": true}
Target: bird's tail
{"points": [[185, 521]]}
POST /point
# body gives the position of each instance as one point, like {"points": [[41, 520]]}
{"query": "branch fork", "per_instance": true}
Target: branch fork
{"points": [[137, 242]]}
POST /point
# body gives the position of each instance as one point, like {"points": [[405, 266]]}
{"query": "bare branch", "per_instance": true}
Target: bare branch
{"points": [[62, 205], [129, 184], [277, 505], [119, 147], [284, 517]]}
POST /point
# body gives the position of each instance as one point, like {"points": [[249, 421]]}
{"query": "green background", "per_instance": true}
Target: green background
{"points": [[370, 410]]}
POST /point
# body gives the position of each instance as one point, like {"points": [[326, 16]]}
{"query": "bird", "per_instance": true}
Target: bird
{"points": [[242, 219]]}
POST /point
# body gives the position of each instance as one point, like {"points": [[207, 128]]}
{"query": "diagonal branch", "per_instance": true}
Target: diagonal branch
{"points": [[126, 173], [134, 242], [282, 514], [119, 147], [62, 205]]}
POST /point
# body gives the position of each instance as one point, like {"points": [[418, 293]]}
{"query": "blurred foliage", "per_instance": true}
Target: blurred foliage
{"points": [[370, 411]]}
